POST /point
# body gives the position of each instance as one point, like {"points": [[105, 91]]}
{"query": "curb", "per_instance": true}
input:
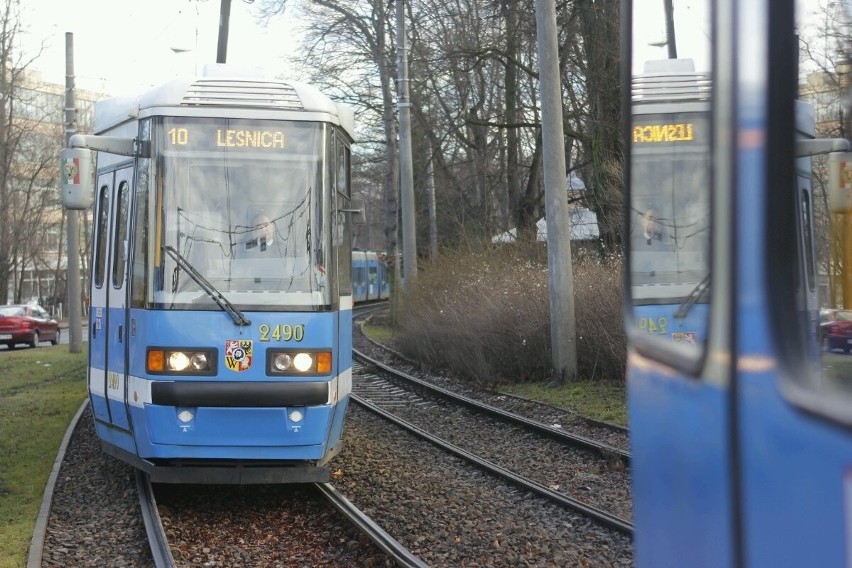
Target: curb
{"points": [[37, 543]]}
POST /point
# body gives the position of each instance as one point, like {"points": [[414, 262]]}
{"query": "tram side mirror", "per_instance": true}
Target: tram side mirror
{"points": [[358, 210], [840, 182], [77, 178]]}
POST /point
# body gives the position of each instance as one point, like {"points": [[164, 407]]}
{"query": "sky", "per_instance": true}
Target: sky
{"points": [[692, 31], [125, 46]]}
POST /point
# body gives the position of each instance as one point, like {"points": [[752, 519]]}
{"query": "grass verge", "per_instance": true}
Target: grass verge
{"points": [[40, 391], [602, 400]]}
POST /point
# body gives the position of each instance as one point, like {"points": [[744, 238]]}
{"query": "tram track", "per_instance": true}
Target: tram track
{"points": [[554, 432], [161, 549], [403, 557], [101, 511], [411, 410], [157, 538], [611, 439], [415, 402]]}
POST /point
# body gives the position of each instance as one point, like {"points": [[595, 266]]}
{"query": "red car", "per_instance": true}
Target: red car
{"points": [[27, 324], [836, 329]]}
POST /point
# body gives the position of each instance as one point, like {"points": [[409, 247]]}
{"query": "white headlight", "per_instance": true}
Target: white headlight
{"points": [[296, 416], [185, 416], [178, 361], [303, 362], [283, 362], [199, 361]]}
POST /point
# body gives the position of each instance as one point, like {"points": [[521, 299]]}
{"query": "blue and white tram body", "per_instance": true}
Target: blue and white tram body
{"points": [[221, 306], [741, 440], [369, 277]]}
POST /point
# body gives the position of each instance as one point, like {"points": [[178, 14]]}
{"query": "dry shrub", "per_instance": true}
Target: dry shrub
{"points": [[598, 301], [485, 315]]}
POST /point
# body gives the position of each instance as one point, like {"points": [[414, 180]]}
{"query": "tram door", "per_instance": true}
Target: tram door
{"points": [[108, 298]]}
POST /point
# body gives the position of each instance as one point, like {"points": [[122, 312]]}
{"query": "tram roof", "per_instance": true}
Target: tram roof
{"points": [[671, 80], [222, 86]]}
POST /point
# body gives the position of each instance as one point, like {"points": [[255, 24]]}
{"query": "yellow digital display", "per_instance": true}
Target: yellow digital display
{"points": [[250, 138], [656, 133], [226, 138]]}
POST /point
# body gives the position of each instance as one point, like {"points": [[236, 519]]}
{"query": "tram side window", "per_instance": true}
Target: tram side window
{"points": [[812, 295], [140, 237], [102, 232], [824, 305], [141, 195], [343, 220], [120, 245], [342, 169]]}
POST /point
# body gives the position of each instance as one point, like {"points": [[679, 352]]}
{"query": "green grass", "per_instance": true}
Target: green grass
{"points": [[595, 399], [603, 400], [40, 391], [379, 333]]}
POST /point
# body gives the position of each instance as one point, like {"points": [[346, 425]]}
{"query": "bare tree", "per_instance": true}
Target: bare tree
{"points": [[33, 199], [28, 146], [349, 48], [602, 149], [474, 86], [826, 64]]}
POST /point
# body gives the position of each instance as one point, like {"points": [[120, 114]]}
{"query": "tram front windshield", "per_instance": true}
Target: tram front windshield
{"points": [[670, 185], [241, 203]]}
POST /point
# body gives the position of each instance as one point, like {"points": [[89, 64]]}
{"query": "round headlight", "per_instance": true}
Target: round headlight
{"points": [[296, 416], [178, 361], [303, 362], [282, 362], [199, 361]]}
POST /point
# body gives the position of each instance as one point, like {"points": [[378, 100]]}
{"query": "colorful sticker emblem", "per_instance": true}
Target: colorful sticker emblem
{"points": [[71, 171], [238, 354], [689, 337]]}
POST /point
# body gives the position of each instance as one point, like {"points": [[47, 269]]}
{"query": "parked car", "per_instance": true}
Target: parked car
{"points": [[836, 329], [30, 324]]}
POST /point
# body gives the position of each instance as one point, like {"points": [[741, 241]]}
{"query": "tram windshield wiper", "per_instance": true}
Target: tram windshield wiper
{"points": [[216, 295], [693, 297]]}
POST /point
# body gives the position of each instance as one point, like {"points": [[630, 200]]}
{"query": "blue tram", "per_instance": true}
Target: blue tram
{"points": [[221, 296], [741, 431], [370, 280], [669, 238]]}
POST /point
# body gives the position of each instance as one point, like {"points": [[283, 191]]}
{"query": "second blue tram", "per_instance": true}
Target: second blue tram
{"points": [[221, 301], [741, 437], [369, 277]]}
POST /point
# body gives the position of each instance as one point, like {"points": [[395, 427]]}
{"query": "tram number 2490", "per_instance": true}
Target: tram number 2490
{"points": [[281, 332], [656, 326]]}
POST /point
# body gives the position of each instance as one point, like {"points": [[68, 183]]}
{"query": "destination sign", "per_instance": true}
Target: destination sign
{"points": [[657, 133], [228, 138], [214, 134]]}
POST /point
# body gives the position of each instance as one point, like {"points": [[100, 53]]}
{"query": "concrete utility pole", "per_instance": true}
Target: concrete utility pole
{"points": [[560, 278], [406, 170], [72, 272], [224, 24]]}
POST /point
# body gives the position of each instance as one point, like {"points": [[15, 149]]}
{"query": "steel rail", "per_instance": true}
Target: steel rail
{"points": [[153, 524], [612, 521], [393, 548], [557, 434]]}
